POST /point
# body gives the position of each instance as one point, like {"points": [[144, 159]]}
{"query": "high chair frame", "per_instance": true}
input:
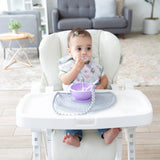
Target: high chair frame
{"points": [[35, 109]]}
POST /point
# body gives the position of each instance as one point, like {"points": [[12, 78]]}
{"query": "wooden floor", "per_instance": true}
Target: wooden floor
{"points": [[15, 142]]}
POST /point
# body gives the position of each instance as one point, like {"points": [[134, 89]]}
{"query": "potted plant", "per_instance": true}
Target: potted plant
{"points": [[43, 29], [151, 23], [13, 25]]}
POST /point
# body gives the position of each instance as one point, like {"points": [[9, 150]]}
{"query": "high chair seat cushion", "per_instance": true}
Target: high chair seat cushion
{"points": [[92, 147]]}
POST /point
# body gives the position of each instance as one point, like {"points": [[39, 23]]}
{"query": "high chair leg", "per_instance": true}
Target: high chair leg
{"points": [[49, 139], [47, 142], [119, 147], [36, 143], [130, 137]]}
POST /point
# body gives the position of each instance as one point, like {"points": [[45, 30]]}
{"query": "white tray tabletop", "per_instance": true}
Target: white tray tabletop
{"points": [[131, 109]]}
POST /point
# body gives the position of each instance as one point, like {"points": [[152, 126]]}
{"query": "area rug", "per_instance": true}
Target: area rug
{"points": [[140, 63], [19, 76], [141, 59]]}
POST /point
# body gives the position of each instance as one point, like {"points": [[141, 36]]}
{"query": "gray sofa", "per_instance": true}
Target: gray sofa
{"points": [[80, 13], [30, 21]]}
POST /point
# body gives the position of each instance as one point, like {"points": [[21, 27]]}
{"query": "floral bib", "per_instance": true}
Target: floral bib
{"points": [[89, 73]]}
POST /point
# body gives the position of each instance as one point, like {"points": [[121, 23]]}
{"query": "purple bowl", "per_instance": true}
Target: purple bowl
{"points": [[81, 92]]}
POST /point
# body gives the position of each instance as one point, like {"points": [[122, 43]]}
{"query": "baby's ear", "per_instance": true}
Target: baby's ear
{"points": [[69, 51]]}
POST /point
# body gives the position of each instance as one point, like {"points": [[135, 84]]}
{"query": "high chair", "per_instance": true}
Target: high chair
{"points": [[35, 110]]}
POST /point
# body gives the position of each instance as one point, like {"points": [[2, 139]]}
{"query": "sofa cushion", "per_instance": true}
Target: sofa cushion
{"points": [[76, 8], [109, 22], [105, 8], [70, 23]]}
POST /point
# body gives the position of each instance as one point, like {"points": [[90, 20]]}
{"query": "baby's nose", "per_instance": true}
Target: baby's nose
{"points": [[84, 52]]}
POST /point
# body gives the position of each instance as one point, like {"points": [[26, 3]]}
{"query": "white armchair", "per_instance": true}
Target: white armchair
{"points": [[107, 51]]}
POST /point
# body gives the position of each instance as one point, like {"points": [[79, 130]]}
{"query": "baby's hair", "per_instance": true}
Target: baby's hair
{"points": [[76, 32]]}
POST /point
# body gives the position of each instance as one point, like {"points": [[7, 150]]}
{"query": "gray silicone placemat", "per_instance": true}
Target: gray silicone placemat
{"points": [[64, 102]]}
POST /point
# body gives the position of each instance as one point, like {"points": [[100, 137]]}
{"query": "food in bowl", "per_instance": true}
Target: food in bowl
{"points": [[81, 92]]}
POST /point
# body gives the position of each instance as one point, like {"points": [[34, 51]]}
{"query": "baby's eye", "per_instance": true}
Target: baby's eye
{"points": [[89, 48], [79, 49]]}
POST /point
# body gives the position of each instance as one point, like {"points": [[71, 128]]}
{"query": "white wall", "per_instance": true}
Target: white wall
{"points": [[15, 5], [140, 8], [3, 5]]}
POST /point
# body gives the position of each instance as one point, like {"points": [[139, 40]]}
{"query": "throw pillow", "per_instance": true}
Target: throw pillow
{"points": [[105, 8], [119, 7]]}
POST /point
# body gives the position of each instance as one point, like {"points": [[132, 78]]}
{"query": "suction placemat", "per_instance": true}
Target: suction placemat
{"points": [[64, 102]]}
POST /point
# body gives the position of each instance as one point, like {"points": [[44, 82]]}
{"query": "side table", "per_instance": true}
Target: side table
{"points": [[16, 54]]}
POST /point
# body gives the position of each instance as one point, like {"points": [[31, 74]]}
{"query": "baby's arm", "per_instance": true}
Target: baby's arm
{"points": [[67, 78], [103, 82]]}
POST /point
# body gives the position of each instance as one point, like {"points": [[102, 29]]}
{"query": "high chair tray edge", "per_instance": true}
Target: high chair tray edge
{"points": [[131, 109]]}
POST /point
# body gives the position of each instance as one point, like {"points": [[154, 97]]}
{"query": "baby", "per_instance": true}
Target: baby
{"points": [[77, 66]]}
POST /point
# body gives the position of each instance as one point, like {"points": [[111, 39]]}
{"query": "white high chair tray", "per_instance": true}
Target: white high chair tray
{"points": [[131, 109]]}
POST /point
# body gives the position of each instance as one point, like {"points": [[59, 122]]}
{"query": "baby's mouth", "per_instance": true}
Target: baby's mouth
{"points": [[85, 59]]}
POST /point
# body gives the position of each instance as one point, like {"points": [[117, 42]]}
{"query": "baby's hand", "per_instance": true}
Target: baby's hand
{"points": [[79, 63], [99, 87]]}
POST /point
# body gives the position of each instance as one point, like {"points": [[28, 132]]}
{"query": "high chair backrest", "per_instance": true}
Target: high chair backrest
{"points": [[106, 50]]}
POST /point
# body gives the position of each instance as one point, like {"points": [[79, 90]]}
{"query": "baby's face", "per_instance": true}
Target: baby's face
{"points": [[80, 47]]}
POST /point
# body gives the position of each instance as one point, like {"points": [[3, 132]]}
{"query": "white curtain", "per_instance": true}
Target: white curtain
{"points": [[3, 5]]}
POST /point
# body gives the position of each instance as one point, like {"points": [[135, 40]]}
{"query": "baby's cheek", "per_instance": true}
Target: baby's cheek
{"points": [[90, 57], [75, 57]]}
